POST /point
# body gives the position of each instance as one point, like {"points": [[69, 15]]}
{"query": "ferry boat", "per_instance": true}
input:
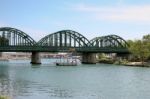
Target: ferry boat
{"points": [[67, 59], [66, 63]]}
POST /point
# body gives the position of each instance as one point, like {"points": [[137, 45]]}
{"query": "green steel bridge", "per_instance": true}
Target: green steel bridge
{"points": [[14, 40]]}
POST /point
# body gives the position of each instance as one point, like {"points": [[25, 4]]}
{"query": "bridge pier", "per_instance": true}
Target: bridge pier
{"points": [[1, 54], [89, 58], [35, 58]]}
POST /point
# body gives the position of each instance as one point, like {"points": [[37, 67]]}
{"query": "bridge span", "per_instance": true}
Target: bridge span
{"points": [[14, 40]]}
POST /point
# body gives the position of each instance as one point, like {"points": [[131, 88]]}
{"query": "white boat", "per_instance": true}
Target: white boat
{"points": [[67, 62]]}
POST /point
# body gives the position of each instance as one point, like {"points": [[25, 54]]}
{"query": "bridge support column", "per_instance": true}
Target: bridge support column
{"points": [[89, 58], [1, 54], [35, 58]]}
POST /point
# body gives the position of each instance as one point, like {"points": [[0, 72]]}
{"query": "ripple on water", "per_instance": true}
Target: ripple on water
{"points": [[20, 80]]}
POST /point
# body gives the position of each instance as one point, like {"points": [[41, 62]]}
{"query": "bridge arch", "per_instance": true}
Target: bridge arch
{"points": [[109, 41], [14, 37], [64, 38]]}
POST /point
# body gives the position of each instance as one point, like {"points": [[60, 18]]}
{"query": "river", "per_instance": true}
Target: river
{"points": [[21, 80]]}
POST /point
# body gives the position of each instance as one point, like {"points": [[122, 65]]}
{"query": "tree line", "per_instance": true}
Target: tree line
{"points": [[140, 49]]}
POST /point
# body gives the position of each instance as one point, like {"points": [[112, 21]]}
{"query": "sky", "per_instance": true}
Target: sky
{"points": [[129, 19]]}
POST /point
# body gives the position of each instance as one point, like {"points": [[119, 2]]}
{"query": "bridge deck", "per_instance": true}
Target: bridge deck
{"points": [[14, 40], [62, 49]]}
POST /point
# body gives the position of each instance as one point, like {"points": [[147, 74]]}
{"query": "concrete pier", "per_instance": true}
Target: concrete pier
{"points": [[35, 58], [1, 54], [89, 58]]}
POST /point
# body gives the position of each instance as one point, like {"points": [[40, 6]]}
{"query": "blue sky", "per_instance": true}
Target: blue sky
{"points": [[129, 19]]}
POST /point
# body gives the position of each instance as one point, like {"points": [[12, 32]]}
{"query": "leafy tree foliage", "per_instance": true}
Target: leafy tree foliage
{"points": [[4, 41], [140, 49]]}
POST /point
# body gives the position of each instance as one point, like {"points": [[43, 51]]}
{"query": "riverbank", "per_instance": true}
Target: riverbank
{"points": [[124, 62], [14, 58], [4, 97], [139, 64], [4, 59]]}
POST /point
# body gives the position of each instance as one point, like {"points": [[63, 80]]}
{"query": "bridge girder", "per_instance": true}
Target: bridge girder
{"points": [[14, 37], [64, 38], [109, 41], [12, 40]]}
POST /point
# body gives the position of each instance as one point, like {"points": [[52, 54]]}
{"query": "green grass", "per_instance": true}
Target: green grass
{"points": [[4, 97]]}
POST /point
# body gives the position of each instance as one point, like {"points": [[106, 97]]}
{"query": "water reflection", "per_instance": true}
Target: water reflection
{"points": [[25, 88], [35, 66], [4, 81], [62, 93], [21, 88]]}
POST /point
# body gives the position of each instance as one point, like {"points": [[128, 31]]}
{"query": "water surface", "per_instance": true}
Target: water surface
{"points": [[21, 80]]}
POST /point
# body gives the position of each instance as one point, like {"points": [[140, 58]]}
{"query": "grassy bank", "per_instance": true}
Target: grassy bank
{"points": [[4, 97]]}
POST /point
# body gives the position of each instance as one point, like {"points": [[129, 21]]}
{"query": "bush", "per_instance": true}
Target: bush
{"points": [[121, 62], [107, 61]]}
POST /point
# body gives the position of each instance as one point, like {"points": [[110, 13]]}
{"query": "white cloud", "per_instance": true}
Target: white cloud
{"points": [[136, 13]]}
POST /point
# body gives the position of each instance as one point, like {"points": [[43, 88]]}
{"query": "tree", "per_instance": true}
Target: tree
{"points": [[146, 38], [4, 41], [146, 41], [101, 56], [140, 48]]}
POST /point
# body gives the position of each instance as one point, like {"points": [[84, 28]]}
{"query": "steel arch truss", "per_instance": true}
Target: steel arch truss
{"points": [[14, 37], [109, 41], [64, 38]]}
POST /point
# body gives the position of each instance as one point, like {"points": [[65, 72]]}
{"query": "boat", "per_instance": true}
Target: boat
{"points": [[67, 60], [66, 63]]}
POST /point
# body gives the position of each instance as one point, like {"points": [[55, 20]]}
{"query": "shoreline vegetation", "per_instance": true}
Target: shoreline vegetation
{"points": [[3, 97], [139, 54], [124, 62]]}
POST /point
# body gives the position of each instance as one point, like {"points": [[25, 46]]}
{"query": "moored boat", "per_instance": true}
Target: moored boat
{"points": [[66, 63], [67, 59]]}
